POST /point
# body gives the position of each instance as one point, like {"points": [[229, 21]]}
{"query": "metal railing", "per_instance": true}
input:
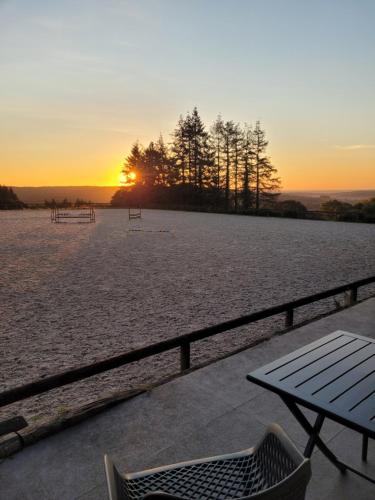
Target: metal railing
{"points": [[83, 214], [183, 342], [135, 213]]}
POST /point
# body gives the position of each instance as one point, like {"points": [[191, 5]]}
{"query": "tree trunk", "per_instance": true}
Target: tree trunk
{"points": [[227, 175], [236, 178], [257, 185], [218, 164]]}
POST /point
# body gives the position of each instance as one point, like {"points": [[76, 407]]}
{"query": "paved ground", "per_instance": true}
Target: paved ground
{"points": [[212, 410]]}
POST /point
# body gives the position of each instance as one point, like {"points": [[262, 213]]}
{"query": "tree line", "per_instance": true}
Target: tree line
{"points": [[224, 167], [358, 212], [65, 203], [9, 200]]}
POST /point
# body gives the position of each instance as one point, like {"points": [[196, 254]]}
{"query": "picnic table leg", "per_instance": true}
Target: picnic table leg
{"points": [[364, 447], [300, 417], [311, 442]]}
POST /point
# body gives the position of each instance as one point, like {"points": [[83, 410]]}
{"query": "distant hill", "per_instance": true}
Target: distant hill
{"points": [[96, 194], [354, 195], [103, 194], [313, 199]]}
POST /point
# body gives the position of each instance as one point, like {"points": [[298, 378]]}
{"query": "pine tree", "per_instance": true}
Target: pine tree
{"points": [[134, 163], [247, 156], [179, 151], [228, 133], [191, 149], [151, 166], [265, 180], [199, 138], [217, 138], [167, 174], [188, 138], [237, 139]]}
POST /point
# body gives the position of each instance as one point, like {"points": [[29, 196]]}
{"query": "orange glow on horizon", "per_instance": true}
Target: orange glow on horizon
{"points": [[304, 167]]}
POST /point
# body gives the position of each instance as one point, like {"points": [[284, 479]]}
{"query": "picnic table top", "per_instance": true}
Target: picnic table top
{"points": [[334, 376]]}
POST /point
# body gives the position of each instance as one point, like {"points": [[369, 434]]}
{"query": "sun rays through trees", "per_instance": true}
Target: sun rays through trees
{"points": [[223, 167]]}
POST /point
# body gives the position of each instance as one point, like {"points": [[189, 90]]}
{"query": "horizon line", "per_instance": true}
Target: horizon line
{"points": [[320, 190]]}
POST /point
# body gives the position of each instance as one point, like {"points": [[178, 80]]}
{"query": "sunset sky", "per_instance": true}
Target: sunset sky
{"points": [[82, 80]]}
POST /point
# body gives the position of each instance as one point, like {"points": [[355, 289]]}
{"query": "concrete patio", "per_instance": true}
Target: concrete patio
{"points": [[210, 411]]}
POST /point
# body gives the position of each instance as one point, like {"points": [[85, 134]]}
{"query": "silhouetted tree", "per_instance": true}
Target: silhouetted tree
{"points": [[150, 166], [9, 200], [200, 148], [343, 211], [226, 168], [237, 139], [228, 133], [265, 180], [292, 208], [217, 145], [167, 171], [134, 162], [368, 208], [336, 207], [247, 159], [179, 151]]}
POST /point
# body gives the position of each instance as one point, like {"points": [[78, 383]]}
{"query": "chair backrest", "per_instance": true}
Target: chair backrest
{"points": [[283, 473], [110, 472], [284, 466]]}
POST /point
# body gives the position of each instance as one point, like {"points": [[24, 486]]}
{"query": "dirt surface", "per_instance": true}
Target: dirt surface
{"points": [[74, 293]]}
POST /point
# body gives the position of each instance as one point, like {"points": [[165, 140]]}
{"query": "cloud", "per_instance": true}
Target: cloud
{"points": [[352, 147]]}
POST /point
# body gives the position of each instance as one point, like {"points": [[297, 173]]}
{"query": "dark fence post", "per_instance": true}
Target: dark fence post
{"points": [[353, 293], [185, 356], [289, 318]]}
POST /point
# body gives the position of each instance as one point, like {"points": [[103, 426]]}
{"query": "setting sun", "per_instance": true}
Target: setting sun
{"points": [[127, 178], [122, 178]]}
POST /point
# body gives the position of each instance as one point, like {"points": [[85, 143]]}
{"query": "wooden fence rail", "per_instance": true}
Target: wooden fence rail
{"points": [[183, 342]]}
